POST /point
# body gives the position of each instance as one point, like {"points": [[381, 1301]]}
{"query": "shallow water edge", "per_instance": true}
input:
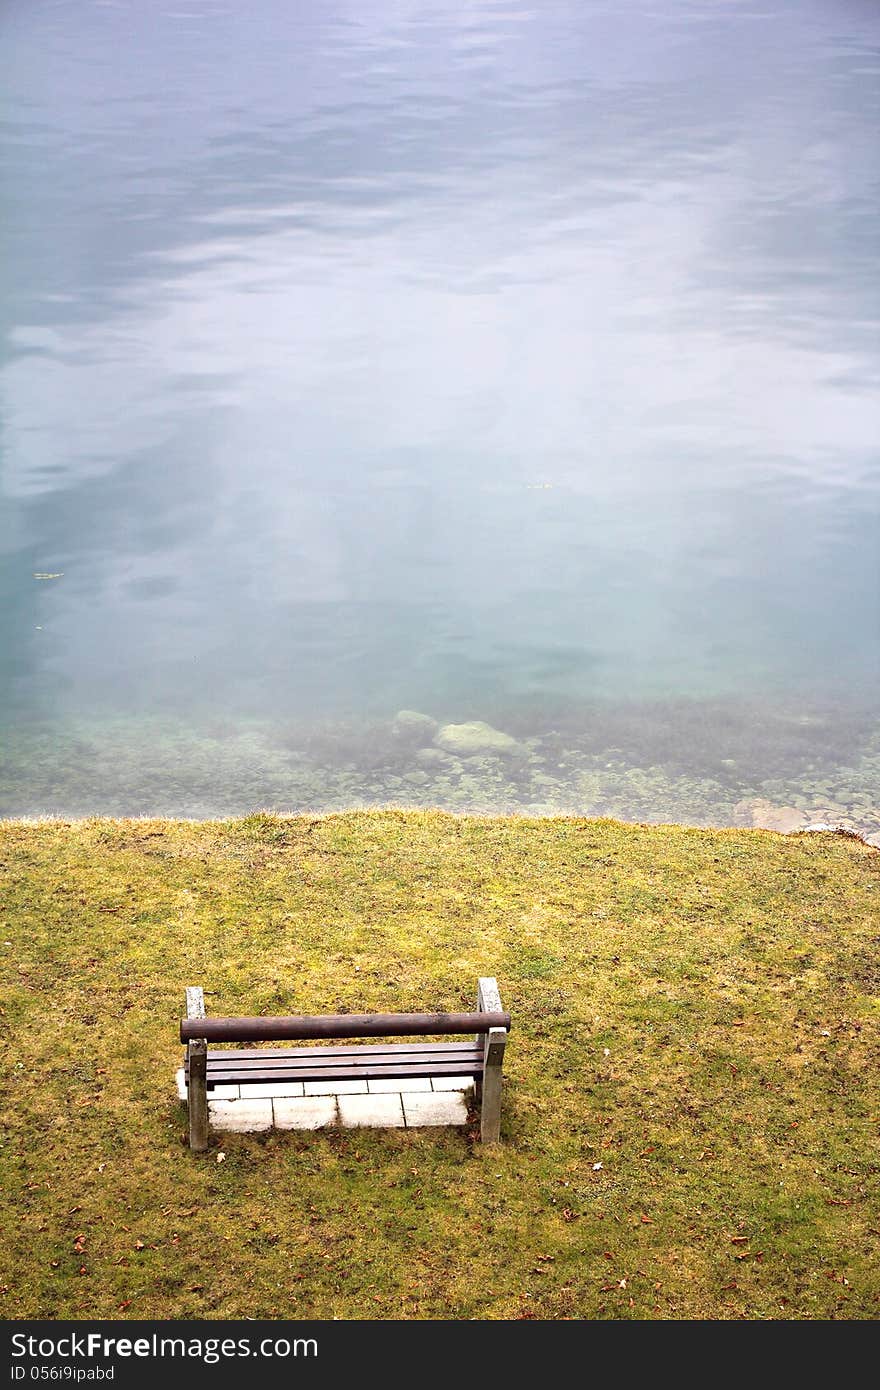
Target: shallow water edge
{"points": [[717, 763]]}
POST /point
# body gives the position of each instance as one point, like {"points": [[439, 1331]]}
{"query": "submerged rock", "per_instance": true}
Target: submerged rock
{"points": [[475, 737], [417, 778], [414, 729], [433, 757], [765, 815]]}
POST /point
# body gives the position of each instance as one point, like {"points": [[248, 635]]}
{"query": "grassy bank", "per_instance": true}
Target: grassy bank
{"points": [[692, 1103]]}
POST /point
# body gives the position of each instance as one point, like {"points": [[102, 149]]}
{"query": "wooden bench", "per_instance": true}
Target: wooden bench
{"points": [[481, 1057]]}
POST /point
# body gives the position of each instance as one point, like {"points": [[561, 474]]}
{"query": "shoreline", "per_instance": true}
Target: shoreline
{"points": [[871, 841]]}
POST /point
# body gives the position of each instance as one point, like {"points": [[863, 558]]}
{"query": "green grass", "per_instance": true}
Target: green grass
{"points": [[691, 1110]]}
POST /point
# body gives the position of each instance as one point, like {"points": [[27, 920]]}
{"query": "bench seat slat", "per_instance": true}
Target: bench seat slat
{"points": [[368, 1056], [445, 1066], [451, 1065], [343, 1073], [350, 1050], [424, 1066], [400, 1061]]}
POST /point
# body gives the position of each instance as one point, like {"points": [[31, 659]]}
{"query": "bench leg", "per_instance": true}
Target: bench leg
{"points": [[197, 1094], [489, 1087], [490, 1109]]}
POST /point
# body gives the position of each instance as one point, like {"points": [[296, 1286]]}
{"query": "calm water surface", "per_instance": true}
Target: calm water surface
{"points": [[498, 362]]}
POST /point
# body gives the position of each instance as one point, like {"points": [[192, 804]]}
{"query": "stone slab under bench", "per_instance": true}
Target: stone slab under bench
{"points": [[250, 1109]]}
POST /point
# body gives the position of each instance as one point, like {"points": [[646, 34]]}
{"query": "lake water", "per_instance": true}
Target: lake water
{"points": [[501, 362]]}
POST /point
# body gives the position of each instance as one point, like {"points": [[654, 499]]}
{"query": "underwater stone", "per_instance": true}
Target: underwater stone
{"points": [[414, 728], [475, 737], [432, 757], [482, 765], [766, 816]]}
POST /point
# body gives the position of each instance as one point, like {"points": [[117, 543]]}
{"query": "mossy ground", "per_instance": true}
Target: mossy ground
{"points": [[692, 1102]]}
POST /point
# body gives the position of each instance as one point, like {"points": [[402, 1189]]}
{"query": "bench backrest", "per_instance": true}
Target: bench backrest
{"points": [[340, 1026]]}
